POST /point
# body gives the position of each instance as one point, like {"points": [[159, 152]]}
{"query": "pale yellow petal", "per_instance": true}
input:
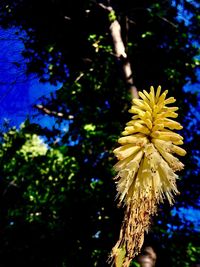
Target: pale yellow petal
{"points": [[178, 150], [125, 151], [170, 100], [158, 93], [173, 162], [136, 139]]}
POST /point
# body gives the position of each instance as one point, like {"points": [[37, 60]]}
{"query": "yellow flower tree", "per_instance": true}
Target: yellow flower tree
{"points": [[146, 168]]}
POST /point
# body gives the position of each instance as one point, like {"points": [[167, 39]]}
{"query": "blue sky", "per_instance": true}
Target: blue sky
{"points": [[19, 91]]}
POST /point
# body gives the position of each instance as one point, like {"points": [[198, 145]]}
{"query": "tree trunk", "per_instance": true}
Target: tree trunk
{"points": [[148, 258], [120, 52]]}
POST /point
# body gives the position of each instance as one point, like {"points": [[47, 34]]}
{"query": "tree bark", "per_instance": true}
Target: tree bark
{"points": [[115, 30], [120, 53], [148, 258]]}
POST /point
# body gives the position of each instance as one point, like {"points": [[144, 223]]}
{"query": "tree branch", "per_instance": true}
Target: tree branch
{"points": [[53, 113]]}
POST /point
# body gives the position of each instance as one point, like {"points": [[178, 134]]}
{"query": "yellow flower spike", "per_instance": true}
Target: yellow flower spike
{"points": [[146, 167]]}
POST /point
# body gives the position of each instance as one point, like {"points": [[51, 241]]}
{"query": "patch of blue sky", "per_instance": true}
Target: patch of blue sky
{"points": [[19, 91], [190, 214], [183, 14]]}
